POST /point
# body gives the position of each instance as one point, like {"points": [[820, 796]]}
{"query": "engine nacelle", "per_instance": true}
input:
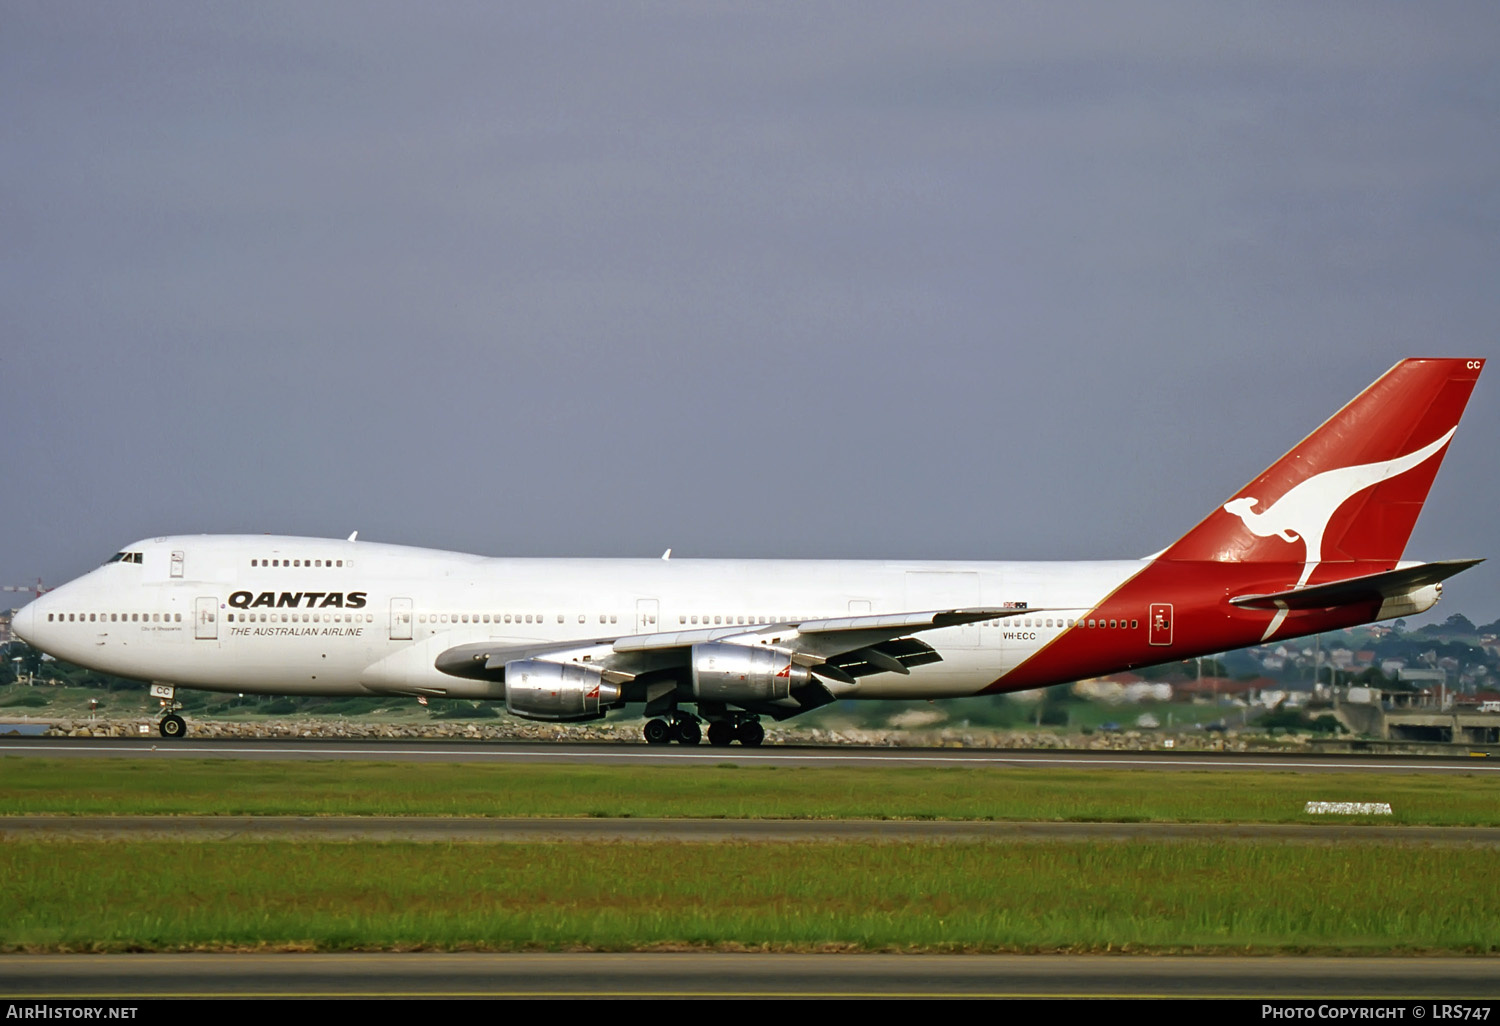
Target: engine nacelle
{"points": [[740, 673], [1410, 603], [540, 690]]}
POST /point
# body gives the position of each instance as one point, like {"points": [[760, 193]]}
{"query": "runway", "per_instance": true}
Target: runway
{"points": [[607, 753], [724, 974], [513, 831], [719, 975]]}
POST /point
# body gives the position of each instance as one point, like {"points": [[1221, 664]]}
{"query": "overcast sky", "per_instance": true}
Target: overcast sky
{"points": [[936, 280]]}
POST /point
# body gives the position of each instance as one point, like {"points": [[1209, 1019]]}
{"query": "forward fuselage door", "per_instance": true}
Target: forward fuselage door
{"points": [[206, 618], [646, 619], [401, 619]]}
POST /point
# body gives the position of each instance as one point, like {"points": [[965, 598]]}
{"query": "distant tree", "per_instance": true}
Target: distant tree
{"points": [[1296, 719], [21, 661], [1458, 623], [1057, 703]]}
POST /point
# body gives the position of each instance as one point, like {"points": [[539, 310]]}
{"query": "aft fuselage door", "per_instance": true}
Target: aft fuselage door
{"points": [[1160, 630], [206, 618], [401, 619]]}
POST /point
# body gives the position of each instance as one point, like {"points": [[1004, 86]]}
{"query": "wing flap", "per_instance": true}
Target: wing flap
{"points": [[842, 648]]}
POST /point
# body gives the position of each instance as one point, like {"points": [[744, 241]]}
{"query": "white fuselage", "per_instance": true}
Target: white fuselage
{"points": [[284, 615]]}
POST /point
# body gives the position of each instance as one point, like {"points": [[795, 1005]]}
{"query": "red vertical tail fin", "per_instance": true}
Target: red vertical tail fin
{"points": [[1352, 489]]}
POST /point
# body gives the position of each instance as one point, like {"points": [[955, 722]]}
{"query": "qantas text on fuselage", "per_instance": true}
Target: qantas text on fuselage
{"points": [[298, 599]]}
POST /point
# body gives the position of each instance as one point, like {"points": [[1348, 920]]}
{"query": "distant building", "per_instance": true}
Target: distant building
{"points": [[1211, 689], [1123, 687]]}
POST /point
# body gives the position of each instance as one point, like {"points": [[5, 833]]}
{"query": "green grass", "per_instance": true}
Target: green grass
{"points": [[1245, 897], [107, 786]]}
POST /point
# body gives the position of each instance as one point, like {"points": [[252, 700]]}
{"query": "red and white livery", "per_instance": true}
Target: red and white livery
{"points": [[1312, 544]]}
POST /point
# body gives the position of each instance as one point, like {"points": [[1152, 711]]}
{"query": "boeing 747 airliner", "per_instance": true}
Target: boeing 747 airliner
{"points": [[1312, 544]]}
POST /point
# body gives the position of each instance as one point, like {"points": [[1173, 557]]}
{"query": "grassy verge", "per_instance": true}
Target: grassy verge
{"points": [[1247, 897], [232, 787]]}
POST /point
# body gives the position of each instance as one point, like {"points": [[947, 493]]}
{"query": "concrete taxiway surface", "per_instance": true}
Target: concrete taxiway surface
{"points": [[608, 753], [662, 974]]}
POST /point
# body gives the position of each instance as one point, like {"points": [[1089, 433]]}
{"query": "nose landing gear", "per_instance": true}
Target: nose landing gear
{"points": [[171, 725]]}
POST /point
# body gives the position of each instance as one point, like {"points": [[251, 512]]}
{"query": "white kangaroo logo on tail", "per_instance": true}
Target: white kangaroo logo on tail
{"points": [[1304, 511]]}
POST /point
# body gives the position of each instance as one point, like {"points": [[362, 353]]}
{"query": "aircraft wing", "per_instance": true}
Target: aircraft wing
{"points": [[840, 649]]}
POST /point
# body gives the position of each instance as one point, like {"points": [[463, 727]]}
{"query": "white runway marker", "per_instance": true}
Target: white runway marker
{"points": [[1348, 808]]}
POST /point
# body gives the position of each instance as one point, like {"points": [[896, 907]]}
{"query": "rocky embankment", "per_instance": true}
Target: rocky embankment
{"points": [[630, 731]]}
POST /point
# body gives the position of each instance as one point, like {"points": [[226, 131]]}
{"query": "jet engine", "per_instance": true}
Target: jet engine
{"points": [[740, 673], [540, 690]]}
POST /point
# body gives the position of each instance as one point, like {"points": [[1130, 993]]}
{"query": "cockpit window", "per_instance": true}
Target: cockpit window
{"points": [[125, 557]]}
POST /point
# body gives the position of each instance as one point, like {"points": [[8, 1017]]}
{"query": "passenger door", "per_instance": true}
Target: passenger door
{"points": [[206, 618], [401, 619]]}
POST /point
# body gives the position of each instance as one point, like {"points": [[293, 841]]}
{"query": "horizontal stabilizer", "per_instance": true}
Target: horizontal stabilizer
{"points": [[1370, 588]]}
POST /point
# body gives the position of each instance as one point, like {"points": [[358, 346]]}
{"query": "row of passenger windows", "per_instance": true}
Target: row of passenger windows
{"points": [[299, 562], [748, 620], [604, 618], [301, 617], [513, 618], [708, 621], [115, 617], [1059, 622]]}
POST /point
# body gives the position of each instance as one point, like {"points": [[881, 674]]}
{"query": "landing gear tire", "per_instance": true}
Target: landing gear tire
{"points": [[172, 726], [658, 732], [721, 733], [688, 732], [751, 734]]}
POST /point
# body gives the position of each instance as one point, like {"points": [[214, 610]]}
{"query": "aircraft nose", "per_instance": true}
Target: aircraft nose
{"points": [[21, 623]]}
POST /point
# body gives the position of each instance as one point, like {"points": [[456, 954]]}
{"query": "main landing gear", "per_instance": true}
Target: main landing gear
{"points": [[684, 729], [676, 726], [747, 732]]}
